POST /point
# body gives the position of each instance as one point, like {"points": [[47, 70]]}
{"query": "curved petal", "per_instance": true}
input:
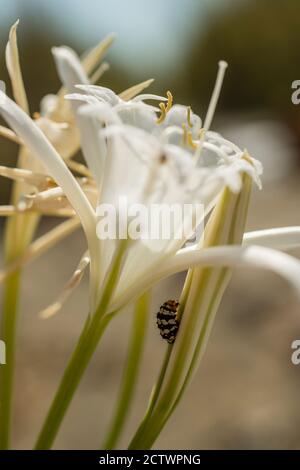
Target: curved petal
{"points": [[14, 69], [93, 57], [282, 238], [222, 256], [69, 68], [35, 140]]}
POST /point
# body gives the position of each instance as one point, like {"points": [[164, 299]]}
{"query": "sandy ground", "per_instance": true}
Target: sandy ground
{"points": [[246, 392]]}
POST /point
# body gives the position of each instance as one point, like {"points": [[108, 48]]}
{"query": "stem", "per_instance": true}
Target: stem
{"points": [[137, 438], [205, 292], [146, 440], [92, 332], [134, 444], [8, 334], [131, 371], [77, 365]]}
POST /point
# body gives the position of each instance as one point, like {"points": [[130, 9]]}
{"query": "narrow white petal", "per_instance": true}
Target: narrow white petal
{"points": [[69, 68], [282, 238], [222, 256], [215, 95], [38, 144], [99, 72], [93, 144], [135, 90], [14, 69], [95, 55], [149, 96]]}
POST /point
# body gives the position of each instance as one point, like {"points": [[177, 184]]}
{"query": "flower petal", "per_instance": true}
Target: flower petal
{"points": [[35, 140], [282, 238], [222, 256], [95, 55], [14, 69], [131, 92], [69, 67]]}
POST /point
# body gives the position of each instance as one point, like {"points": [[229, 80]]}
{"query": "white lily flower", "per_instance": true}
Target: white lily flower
{"points": [[177, 175], [144, 155], [111, 151]]}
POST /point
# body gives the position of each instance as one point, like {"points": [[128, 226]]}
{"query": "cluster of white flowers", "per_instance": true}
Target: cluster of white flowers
{"points": [[132, 149], [147, 153]]}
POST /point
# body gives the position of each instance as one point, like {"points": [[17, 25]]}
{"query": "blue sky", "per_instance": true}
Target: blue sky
{"points": [[148, 31]]}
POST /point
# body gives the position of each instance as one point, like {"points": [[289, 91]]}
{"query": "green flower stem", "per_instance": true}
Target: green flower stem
{"points": [[162, 373], [152, 402], [8, 333], [206, 288], [131, 371], [163, 411], [92, 332]]}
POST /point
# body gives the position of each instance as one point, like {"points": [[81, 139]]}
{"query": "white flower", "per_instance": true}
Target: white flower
{"points": [[177, 175], [143, 166]]}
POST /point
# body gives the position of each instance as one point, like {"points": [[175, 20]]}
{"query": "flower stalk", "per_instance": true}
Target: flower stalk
{"points": [[131, 371], [92, 332]]}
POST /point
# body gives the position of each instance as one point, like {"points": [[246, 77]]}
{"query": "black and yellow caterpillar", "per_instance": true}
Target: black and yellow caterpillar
{"points": [[167, 321]]}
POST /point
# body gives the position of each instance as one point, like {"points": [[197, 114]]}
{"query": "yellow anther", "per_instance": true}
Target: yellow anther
{"points": [[163, 113], [188, 138], [188, 117], [165, 108], [170, 101], [185, 133], [190, 141], [201, 133], [36, 115]]}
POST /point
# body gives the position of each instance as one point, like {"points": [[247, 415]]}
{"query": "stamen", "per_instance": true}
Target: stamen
{"points": [[188, 117], [190, 141], [184, 137], [40, 181], [163, 114], [165, 108], [201, 133], [170, 101], [215, 95], [188, 138], [212, 106]]}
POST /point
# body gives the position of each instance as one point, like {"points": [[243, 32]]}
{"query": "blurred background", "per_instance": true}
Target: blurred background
{"points": [[246, 393]]}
